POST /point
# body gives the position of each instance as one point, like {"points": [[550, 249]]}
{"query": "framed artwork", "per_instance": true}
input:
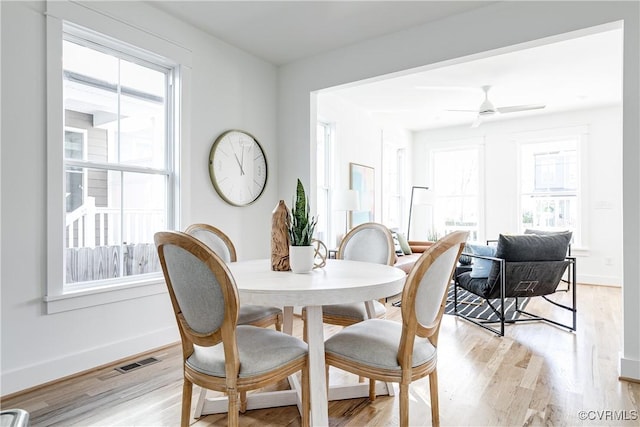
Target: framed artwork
{"points": [[362, 179]]}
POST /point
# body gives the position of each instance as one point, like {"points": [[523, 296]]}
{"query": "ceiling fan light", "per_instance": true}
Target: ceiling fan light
{"points": [[487, 108]]}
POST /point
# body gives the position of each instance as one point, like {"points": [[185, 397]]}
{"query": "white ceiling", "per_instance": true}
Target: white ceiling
{"points": [[285, 31], [579, 73]]}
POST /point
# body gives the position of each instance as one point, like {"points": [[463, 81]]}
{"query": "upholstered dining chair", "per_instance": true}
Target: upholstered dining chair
{"points": [[218, 353], [406, 351], [220, 243], [369, 242]]}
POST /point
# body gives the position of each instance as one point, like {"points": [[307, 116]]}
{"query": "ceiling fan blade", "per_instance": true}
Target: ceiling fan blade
{"points": [[516, 108], [477, 122], [464, 111]]}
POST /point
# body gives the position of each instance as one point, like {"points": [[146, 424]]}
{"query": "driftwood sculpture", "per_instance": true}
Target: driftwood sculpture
{"points": [[280, 238]]}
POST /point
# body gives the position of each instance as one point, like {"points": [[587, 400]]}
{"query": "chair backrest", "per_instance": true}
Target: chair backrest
{"points": [[425, 291], [215, 239], [534, 264], [369, 242], [202, 291]]}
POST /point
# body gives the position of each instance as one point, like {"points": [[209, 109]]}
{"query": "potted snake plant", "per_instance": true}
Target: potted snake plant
{"points": [[301, 226]]}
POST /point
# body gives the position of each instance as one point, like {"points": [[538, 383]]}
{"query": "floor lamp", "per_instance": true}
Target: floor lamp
{"points": [[411, 203], [347, 201]]}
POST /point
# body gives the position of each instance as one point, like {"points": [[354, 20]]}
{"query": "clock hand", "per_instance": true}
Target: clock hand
{"points": [[239, 164], [242, 159]]}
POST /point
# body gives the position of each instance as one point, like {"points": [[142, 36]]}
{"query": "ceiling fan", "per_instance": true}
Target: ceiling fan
{"points": [[487, 108]]}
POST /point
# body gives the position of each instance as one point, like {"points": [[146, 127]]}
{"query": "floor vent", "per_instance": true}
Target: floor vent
{"points": [[135, 365]]}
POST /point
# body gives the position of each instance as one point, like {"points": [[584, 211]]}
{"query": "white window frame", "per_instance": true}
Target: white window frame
{"points": [[393, 194], [580, 134], [64, 17], [326, 186]]}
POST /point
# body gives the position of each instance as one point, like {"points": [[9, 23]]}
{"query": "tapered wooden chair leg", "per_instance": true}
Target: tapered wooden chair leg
{"points": [[372, 389], [404, 404], [279, 324], [305, 338], [187, 389], [243, 401], [233, 408], [433, 389]]}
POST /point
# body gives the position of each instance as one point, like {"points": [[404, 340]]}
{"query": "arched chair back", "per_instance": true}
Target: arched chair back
{"points": [[427, 285], [221, 244], [369, 242], [215, 239]]}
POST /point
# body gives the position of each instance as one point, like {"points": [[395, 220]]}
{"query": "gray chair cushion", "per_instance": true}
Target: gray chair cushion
{"points": [[479, 286], [252, 313], [356, 311], [260, 350], [375, 343]]}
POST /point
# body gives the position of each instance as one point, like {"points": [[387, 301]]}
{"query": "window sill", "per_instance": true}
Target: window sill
{"points": [[105, 295]]}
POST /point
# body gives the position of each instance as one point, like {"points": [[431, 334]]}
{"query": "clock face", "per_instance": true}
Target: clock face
{"points": [[238, 168]]}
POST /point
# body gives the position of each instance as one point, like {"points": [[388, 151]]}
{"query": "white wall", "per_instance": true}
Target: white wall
{"points": [[230, 89], [359, 138], [495, 26], [602, 193]]}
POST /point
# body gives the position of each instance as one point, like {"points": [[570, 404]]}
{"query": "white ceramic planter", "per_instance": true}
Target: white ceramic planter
{"points": [[301, 258]]}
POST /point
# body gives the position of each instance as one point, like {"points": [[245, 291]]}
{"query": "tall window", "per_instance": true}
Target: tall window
{"points": [[393, 163], [324, 136], [456, 188], [119, 180], [549, 196]]}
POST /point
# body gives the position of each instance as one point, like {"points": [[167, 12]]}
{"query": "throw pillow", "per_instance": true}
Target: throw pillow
{"points": [[465, 259], [404, 244], [396, 244], [480, 268]]}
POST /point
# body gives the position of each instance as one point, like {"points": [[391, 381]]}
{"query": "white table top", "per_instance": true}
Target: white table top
{"points": [[340, 281]]}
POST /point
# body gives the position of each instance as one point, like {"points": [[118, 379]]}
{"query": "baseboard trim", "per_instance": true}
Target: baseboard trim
{"points": [[629, 369], [28, 378], [600, 280]]}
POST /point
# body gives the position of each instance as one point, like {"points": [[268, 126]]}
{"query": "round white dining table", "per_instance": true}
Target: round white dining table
{"points": [[340, 281]]}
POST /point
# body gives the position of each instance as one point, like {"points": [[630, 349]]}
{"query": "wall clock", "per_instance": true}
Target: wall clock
{"points": [[238, 167]]}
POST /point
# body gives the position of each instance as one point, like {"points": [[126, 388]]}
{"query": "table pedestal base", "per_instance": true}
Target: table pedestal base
{"points": [[273, 399]]}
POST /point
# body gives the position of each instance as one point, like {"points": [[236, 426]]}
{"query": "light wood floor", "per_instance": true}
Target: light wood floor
{"points": [[536, 375]]}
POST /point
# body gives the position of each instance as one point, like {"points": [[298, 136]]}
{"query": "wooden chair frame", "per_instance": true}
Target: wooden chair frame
{"points": [[234, 386], [410, 329]]}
